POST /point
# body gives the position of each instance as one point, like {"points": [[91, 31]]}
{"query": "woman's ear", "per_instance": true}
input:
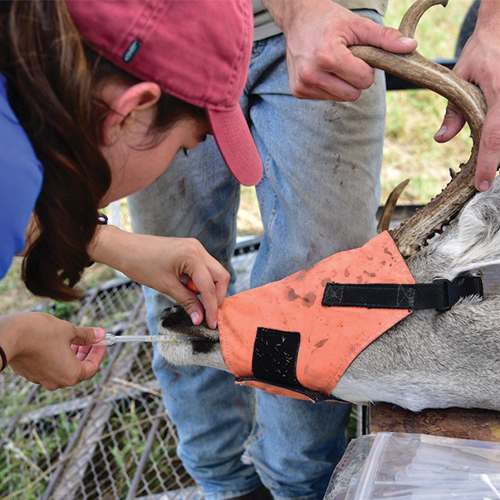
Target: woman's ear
{"points": [[126, 102]]}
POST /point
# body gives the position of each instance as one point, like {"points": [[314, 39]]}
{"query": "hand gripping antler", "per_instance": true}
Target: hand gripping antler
{"points": [[414, 232]]}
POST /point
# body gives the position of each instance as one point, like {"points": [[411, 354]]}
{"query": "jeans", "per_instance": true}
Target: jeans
{"points": [[318, 195]]}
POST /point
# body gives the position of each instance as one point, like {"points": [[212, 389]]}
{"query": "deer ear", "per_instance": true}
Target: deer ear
{"points": [[474, 240], [130, 102]]}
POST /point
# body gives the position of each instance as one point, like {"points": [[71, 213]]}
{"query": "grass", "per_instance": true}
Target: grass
{"points": [[414, 116]]}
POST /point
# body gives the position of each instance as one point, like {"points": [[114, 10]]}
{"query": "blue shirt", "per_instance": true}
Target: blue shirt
{"points": [[21, 176]]}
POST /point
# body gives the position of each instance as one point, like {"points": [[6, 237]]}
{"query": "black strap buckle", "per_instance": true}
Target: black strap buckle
{"points": [[464, 285]]}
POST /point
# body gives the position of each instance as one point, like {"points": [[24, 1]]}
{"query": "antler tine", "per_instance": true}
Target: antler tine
{"points": [[410, 20], [414, 232], [390, 206]]}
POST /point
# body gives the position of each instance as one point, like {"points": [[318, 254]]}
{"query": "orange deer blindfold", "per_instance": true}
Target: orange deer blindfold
{"points": [[282, 338]]}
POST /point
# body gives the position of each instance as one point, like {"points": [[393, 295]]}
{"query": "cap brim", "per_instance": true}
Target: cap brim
{"points": [[236, 145]]}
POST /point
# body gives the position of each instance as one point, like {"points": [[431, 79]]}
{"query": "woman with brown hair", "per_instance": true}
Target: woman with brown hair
{"points": [[88, 120]]}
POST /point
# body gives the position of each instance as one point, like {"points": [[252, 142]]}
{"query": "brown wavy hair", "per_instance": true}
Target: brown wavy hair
{"points": [[53, 90]]}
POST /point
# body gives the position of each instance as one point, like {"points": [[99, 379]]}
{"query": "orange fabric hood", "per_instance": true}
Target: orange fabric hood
{"points": [[279, 337]]}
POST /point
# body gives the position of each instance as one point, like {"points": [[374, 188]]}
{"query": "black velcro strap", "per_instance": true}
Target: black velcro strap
{"points": [[440, 295]]}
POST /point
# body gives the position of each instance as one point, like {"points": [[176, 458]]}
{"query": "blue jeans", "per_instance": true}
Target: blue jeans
{"points": [[318, 196]]}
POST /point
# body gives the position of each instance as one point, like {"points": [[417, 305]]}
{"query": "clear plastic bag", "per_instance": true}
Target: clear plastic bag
{"points": [[392, 466]]}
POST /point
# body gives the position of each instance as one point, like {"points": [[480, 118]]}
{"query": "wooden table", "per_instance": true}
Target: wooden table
{"points": [[481, 425]]}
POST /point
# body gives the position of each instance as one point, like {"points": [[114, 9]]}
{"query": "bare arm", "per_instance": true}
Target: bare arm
{"points": [[165, 264], [318, 34], [479, 63]]}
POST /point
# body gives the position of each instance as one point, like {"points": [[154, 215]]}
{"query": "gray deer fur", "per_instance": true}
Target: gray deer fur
{"points": [[430, 359]]}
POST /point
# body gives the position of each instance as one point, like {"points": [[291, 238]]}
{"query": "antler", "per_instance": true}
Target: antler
{"points": [[385, 218], [414, 232]]}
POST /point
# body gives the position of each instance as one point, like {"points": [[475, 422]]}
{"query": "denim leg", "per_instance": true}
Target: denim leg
{"points": [[213, 418], [318, 196], [297, 444], [322, 160], [197, 197]]}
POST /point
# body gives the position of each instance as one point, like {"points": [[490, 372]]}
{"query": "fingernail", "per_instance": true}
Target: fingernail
{"points": [[195, 318], [406, 40], [484, 186], [215, 325], [99, 333], [441, 131]]}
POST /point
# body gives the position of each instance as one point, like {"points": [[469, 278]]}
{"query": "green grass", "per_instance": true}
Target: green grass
{"points": [[438, 29], [413, 117]]}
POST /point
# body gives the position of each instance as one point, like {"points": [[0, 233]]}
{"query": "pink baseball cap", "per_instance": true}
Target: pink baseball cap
{"points": [[196, 50]]}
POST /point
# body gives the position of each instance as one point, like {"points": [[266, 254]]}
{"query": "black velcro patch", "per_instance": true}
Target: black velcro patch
{"points": [[275, 356]]}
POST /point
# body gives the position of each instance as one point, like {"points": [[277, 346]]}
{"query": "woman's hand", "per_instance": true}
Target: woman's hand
{"points": [[165, 264], [49, 351]]}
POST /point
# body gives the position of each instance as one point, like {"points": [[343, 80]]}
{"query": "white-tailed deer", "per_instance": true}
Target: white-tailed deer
{"points": [[431, 358]]}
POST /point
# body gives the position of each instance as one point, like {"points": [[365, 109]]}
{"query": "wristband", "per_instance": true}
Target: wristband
{"points": [[102, 220], [4, 360]]}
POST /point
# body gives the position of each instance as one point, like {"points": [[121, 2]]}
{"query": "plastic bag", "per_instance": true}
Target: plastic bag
{"points": [[392, 466]]}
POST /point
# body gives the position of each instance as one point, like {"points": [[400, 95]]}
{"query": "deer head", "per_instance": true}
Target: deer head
{"points": [[412, 234]]}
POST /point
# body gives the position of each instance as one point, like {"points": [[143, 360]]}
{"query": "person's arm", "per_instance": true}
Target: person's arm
{"points": [[318, 34], [50, 351], [165, 264], [479, 63], [21, 177]]}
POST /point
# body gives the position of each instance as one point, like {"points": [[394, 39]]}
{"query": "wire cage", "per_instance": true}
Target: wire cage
{"points": [[105, 439]]}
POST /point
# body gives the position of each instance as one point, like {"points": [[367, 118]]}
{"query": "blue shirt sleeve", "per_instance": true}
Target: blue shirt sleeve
{"points": [[21, 176]]}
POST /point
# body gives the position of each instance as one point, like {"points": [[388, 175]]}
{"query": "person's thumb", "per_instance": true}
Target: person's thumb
{"points": [[86, 335], [386, 38], [194, 310], [452, 124]]}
